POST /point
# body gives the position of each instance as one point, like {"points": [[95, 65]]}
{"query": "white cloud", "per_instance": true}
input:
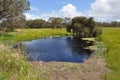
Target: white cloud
{"points": [[68, 10], [32, 16], [51, 14], [105, 10]]}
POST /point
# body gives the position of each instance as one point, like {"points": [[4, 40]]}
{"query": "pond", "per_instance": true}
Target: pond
{"points": [[61, 49]]}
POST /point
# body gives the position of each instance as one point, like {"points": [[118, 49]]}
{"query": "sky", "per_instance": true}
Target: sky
{"points": [[101, 10]]}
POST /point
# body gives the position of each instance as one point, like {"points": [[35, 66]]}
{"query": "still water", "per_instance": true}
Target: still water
{"points": [[61, 49]]}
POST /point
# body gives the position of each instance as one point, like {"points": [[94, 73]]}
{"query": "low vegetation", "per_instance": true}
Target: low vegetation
{"points": [[111, 39], [30, 34], [13, 65], [6, 37]]}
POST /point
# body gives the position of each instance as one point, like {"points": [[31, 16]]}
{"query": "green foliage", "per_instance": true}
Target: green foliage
{"points": [[83, 27], [111, 39], [96, 31]]}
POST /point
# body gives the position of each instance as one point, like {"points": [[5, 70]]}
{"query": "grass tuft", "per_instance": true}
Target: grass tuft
{"points": [[14, 66]]}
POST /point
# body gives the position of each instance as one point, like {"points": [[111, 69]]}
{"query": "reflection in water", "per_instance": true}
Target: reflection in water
{"points": [[64, 49]]}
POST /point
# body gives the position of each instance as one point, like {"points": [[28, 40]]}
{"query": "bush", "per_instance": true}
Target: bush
{"points": [[83, 27]]}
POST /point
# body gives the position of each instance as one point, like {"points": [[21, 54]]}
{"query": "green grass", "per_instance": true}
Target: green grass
{"points": [[30, 34], [111, 39], [6, 37], [13, 65]]}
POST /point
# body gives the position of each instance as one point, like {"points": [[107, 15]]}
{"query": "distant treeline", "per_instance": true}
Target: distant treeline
{"points": [[51, 23], [62, 23], [108, 24]]}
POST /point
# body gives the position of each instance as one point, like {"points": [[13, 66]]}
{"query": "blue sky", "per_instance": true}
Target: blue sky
{"points": [[101, 10], [46, 6]]}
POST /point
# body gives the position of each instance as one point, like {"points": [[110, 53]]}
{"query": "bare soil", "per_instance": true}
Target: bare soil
{"points": [[93, 68]]}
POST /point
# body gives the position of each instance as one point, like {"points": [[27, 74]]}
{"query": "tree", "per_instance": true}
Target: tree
{"points": [[66, 20], [19, 22], [37, 23], [55, 22], [29, 23], [15, 23], [83, 27], [12, 9]]}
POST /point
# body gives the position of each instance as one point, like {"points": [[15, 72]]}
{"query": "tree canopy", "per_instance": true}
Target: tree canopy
{"points": [[37, 23], [83, 27], [56, 22], [12, 9]]}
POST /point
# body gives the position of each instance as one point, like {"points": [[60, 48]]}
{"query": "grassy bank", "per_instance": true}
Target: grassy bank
{"points": [[30, 34], [111, 39]]}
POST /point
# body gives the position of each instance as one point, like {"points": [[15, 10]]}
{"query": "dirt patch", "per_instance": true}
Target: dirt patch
{"points": [[92, 69]]}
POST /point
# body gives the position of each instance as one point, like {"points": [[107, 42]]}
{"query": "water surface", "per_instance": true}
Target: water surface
{"points": [[62, 49]]}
